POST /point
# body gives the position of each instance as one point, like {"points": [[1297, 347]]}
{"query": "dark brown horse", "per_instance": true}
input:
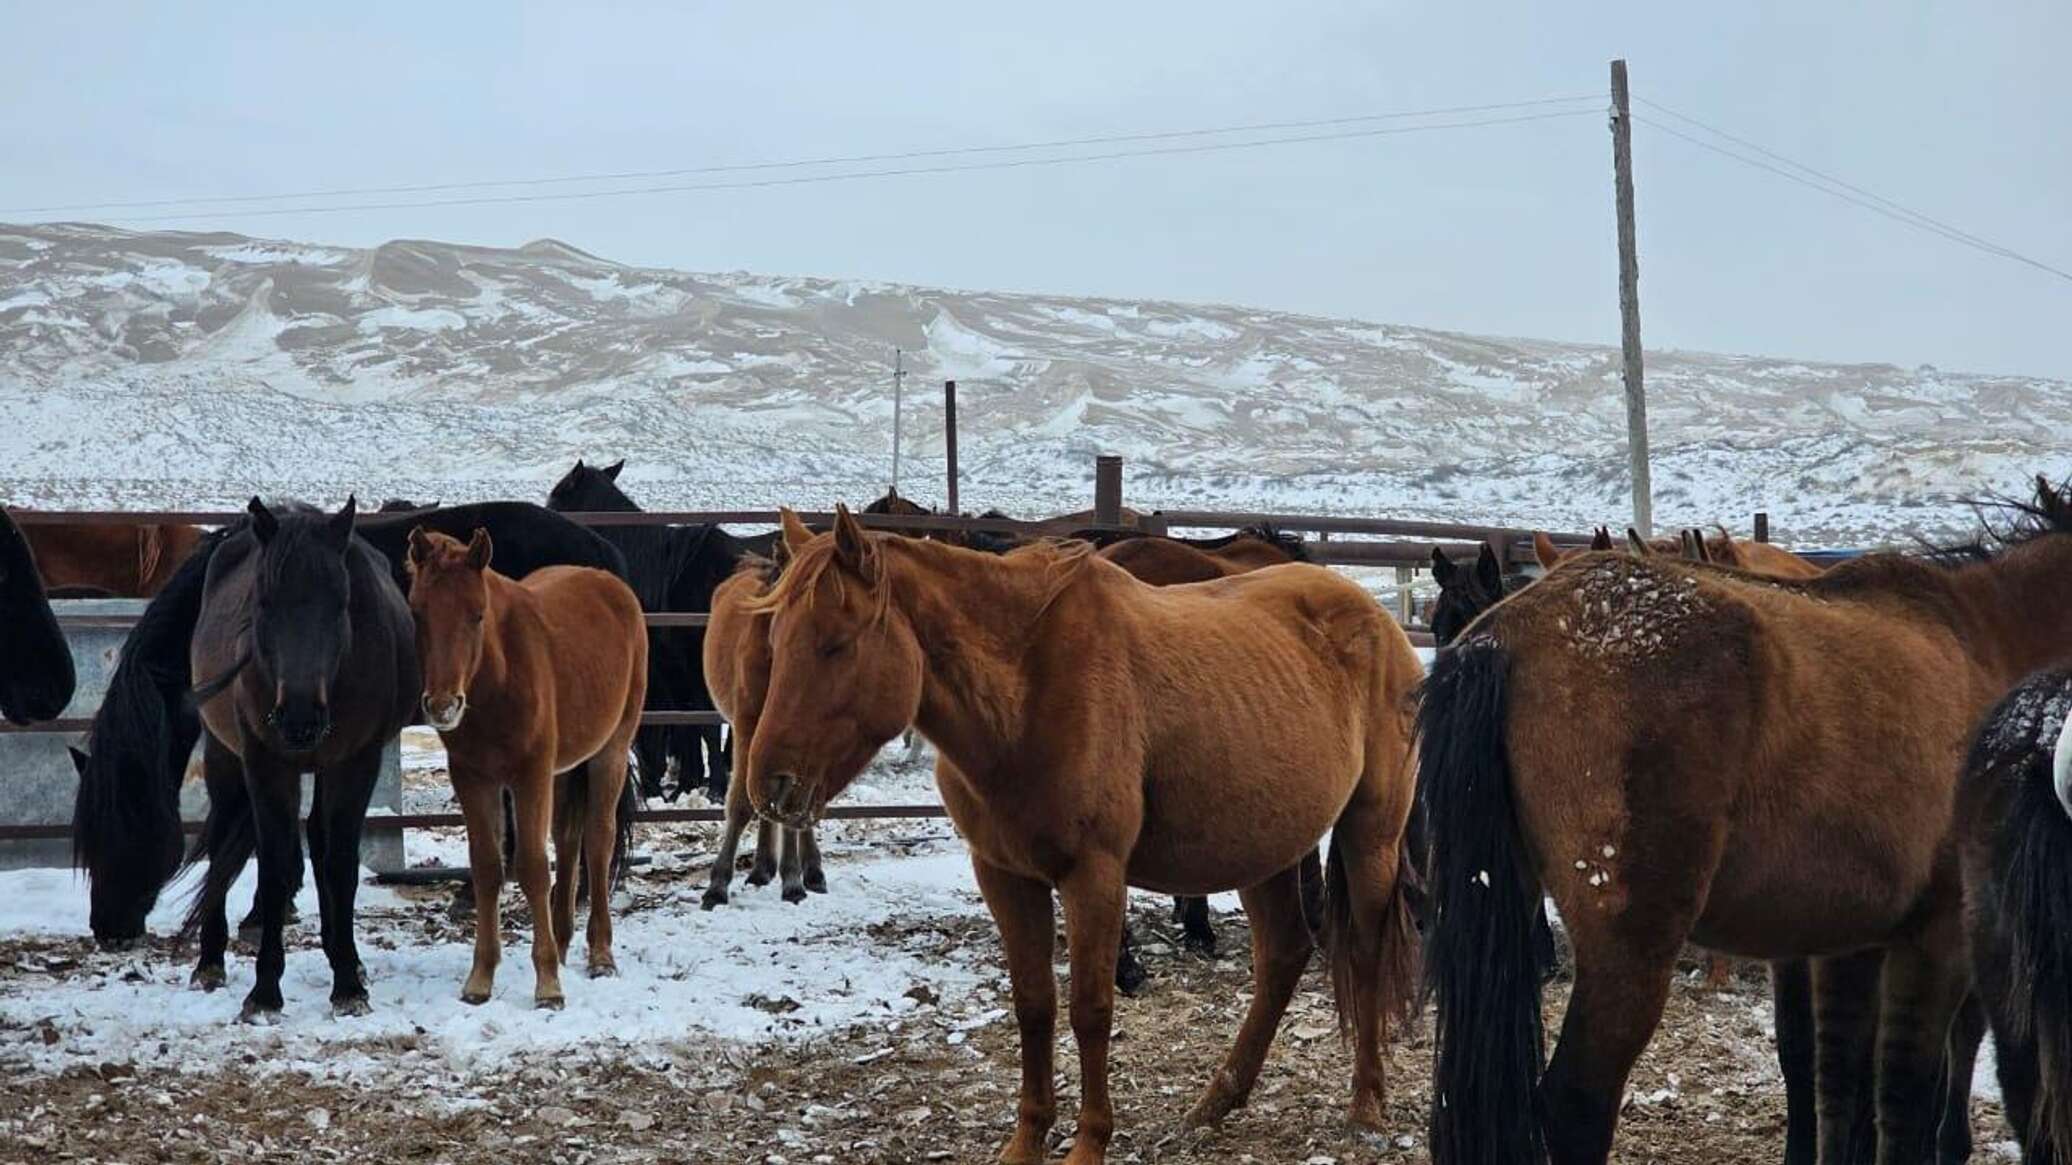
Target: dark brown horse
{"points": [[1765, 767], [2014, 817], [123, 562], [36, 677], [1171, 562], [535, 688], [1091, 729]]}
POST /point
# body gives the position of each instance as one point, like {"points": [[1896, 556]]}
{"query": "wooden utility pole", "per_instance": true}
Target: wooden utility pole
{"points": [[1762, 525], [1629, 305], [898, 387], [949, 437], [1107, 490]]}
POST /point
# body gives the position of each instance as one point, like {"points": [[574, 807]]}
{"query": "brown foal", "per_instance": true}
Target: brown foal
{"points": [[535, 687]]}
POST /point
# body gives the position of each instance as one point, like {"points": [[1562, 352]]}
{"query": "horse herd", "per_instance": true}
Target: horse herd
{"points": [[1862, 776]]}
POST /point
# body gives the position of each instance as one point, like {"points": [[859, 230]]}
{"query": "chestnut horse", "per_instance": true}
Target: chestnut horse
{"points": [[737, 673], [123, 562], [535, 687], [1170, 561], [1092, 731], [1762, 766]]}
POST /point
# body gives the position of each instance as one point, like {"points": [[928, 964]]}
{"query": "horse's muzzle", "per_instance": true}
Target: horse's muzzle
{"points": [[301, 727], [444, 712]]}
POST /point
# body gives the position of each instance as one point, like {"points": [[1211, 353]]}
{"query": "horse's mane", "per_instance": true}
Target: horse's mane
{"points": [[1064, 559], [2020, 521]]}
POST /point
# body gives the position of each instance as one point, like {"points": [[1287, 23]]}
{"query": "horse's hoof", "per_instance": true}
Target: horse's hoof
{"points": [[604, 970], [759, 877], [1216, 1102], [1202, 943], [1130, 978], [794, 894], [473, 998], [351, 1007], [259, 1014], [713, 898], [206, 978], [816, 881], [118, 945], [548, 1002], [1366, 1113]]}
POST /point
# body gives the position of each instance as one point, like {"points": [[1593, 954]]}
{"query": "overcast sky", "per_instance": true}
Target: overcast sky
{"points": [[1960, 111]]}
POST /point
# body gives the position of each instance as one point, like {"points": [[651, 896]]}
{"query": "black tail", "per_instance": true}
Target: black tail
{"points": [[630, 805], [2029, 904], [1479, 959], [126, 816]]}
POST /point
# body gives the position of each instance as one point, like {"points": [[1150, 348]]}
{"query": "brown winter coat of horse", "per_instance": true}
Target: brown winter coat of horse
{"points": [[124, 562], [1091, 729]]}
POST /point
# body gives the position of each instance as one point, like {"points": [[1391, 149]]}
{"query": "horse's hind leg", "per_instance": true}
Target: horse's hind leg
{"points": [[809, 850], [738, 813], [1845, 992], [792, 866], [1925, 984], [1967, 1032], [343, 795], [1195, 932], [1791, 1005], [1021, 908], [571, 804], [1281, 949], [607, 779], [1370, 936], [228, 840], [718, 773], [769, 840]]}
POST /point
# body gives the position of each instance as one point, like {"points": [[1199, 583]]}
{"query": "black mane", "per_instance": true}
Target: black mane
{"points": [[2048, 511]]}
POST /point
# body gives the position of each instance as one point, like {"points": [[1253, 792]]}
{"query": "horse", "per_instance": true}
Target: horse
{"points": [[1086, 726], [2014, 824], [672, 568], [37, 681], [1765, 767], [535, 687], [308, 648], [403, 506], [737, 672], [125, 562], [1164, 561], [126, 824]]}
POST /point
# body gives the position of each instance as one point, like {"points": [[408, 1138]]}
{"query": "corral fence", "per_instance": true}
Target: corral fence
{"points": [[1404, 545]]}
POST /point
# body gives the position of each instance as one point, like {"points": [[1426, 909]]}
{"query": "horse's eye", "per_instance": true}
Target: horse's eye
{"points": [[833, 647]]}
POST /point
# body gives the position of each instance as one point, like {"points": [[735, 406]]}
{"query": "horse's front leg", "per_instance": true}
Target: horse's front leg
{"points": [[275, 790], [339, 815], [227, 844], [1021, 908], [1094, 895]]}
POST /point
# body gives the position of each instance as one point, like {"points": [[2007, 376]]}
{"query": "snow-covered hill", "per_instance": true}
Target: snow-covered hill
{"points": [[193, 369]]}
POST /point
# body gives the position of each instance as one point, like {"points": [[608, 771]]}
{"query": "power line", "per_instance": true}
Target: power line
{"points": [[1009, 164], [845, 160], [1844, 191]]}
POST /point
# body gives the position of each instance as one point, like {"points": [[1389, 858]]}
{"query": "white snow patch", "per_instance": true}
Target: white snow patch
{"points": [[430, 319]]}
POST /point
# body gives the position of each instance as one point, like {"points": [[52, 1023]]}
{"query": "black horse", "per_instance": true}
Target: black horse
{"points": [[36, 677], [2014, 822], [126, 813], [671, 569]]}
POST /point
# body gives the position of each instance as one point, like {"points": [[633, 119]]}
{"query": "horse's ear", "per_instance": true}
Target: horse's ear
{"points": [[79, 760], [795, 533], [340, 527], [852, 549], [1443, 570], [480, 549], [611, 472], [1544, 550], [1489, 573], [264, 524], [1636, 545], [1602, 540], [420, 547]]}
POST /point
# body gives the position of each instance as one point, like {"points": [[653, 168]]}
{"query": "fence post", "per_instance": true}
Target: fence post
{"points": [[1405, 604], [1107, 490], [1762, 525], [949, 436]]}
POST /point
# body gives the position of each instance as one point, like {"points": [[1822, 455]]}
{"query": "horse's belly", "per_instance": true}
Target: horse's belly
{"points": [[1229, 826], [1808, 901]]}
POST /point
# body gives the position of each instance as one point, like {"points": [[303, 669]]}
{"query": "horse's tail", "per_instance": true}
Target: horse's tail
{"points": [[630, 805], [126, 814], [239, 837], [1479, 960], [2031, 854], [1395, 997]]}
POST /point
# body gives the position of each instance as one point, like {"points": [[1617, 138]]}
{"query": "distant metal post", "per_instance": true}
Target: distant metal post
{"points": [[1629, 305], [1107, 490], [1762, 525], [949, 436]]}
